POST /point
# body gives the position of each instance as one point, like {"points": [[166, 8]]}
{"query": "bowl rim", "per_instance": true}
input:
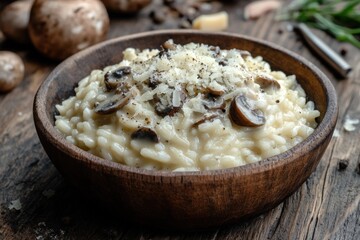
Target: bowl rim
{"points": [[325, 128]]}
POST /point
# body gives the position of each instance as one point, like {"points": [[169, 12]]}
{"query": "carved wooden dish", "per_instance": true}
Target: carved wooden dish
{"points": [[186, 200]]}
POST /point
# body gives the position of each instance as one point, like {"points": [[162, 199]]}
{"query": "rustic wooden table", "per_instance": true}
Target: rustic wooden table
{"points": [[325, 207]]}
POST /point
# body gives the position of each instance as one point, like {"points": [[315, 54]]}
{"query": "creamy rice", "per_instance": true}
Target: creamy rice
{"points": [[173, 109]]}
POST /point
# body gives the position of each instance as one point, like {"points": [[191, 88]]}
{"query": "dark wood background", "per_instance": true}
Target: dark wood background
{"points": [[325, 207]]}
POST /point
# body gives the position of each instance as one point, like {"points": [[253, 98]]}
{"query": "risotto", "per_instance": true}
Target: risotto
{"points": [[187, 108]]}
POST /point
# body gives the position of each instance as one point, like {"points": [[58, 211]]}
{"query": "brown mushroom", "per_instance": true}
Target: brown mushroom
{"points": [[243, 114], [165, 47], [214, 92], [206, 117], [145, 133], [214, 103], [12, 71], [14, 20], [266, 82], [163, 108], [169, 45], [59, 28], [114, 79], [112, 104]]}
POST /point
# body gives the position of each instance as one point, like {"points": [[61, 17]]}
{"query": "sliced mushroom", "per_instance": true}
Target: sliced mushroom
{"points": [[266, 82], [169, 45], [178, 97], [206, 117], [243, 114], [145, 133], [214, 103], [165, 47], [114, 78], [214, 92], [113, 104], [122, 88], [168, 110]]}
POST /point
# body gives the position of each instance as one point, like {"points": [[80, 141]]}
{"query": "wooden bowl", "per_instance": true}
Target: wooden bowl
{"points": [[185, 200]]}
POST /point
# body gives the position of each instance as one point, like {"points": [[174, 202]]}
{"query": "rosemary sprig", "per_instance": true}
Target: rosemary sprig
{"points": [[339, 18]]}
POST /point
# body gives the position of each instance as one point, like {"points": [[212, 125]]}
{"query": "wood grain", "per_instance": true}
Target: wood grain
{"points": [[325, 207]]}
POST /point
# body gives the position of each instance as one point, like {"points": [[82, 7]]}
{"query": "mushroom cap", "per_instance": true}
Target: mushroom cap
{"points": [[114, 78], [114, 103], [14, 20], [178, 97], [243, 114], [267, 82], [145, 133], [60, 28], [12, 71]]}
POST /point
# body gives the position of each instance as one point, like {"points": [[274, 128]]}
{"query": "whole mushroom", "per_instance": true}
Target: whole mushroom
{"points": [[11, 71], [14, 20], [60, 28], [125, 6]]}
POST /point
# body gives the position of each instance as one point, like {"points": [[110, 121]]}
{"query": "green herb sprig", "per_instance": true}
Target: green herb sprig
{"points": [[339, 18]]}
